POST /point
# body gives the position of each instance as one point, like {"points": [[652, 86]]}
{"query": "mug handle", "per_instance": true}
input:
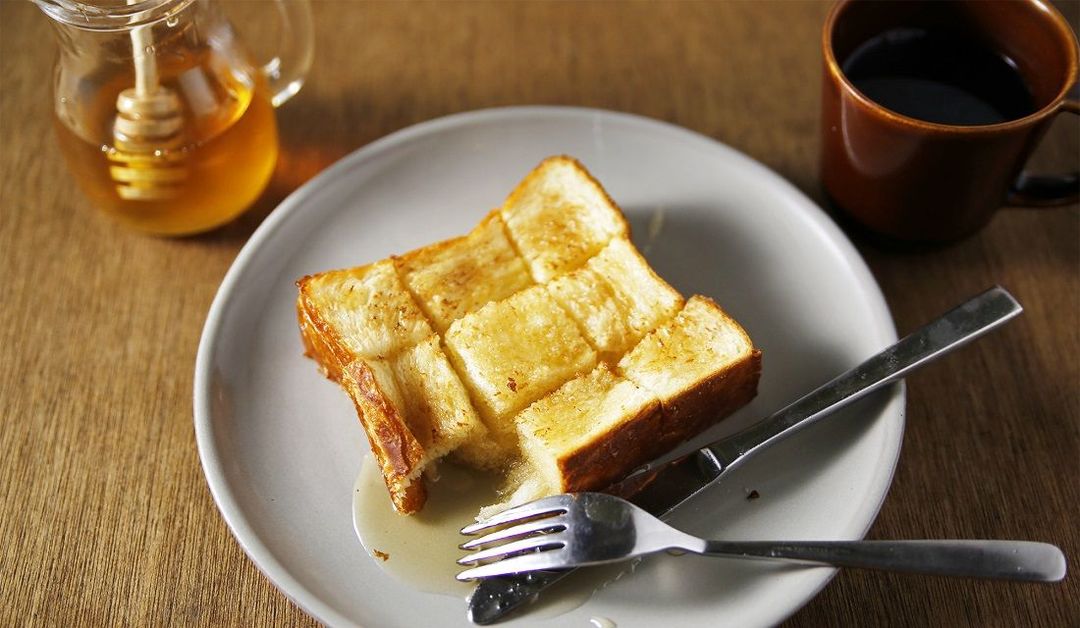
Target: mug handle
{"points": [[1047, 190], [286, 71]]}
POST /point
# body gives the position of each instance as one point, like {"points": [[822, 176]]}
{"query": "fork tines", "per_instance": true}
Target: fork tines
{"points": [[546, 507], [517, 540]]}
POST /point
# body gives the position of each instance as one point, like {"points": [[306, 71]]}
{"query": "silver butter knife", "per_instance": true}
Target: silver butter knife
{"points": [[662, 485]]}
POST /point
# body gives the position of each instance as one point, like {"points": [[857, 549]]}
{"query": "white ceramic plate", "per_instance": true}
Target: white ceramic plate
{"points": [[281, 446]]}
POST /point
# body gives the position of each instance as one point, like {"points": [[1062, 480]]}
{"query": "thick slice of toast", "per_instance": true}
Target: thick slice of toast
{"points": [[541, 344]]}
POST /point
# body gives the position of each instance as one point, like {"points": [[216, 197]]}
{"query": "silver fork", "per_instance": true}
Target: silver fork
{"points": [[575, 530]]}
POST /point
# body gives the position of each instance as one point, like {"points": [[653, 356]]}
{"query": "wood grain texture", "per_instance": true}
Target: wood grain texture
{"points": [[106, 518]]}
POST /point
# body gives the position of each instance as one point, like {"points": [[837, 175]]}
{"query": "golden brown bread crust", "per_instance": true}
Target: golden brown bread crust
{"points": [[320, 340], [398, 452], [315, 347], [711, 400], [393, 445], [712, 394], [610, 457], [659, 428]]}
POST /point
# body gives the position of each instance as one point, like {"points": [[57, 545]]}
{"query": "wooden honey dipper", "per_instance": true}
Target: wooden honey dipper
{"points": [[148, 129]]}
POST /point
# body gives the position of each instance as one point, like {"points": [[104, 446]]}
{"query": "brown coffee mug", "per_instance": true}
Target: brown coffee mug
{"points": [[917, 179]]}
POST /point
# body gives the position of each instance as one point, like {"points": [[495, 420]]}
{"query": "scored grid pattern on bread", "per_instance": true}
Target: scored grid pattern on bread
{"points": [[537, 304]]}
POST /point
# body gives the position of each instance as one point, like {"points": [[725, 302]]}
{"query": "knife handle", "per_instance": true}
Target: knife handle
{"points": [[494, 597], [955, 328]]}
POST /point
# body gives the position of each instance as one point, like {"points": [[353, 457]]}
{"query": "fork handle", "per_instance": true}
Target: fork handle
{"points": [[1009, 560]]}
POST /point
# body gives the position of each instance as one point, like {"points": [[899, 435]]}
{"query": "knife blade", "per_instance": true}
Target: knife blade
{"points": [[663, 485]]}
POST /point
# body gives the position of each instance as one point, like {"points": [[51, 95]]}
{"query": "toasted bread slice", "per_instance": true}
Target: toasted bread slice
{"points": [[541, 344], [459, 276], [559, 217], [616, 299], [512, 352], [701, 365]]}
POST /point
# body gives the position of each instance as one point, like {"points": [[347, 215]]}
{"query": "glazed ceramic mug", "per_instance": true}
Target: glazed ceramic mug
{"points": [[917, 146]]}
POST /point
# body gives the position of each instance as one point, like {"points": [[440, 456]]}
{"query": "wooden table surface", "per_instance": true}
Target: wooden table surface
{"points": [[106, 518]]}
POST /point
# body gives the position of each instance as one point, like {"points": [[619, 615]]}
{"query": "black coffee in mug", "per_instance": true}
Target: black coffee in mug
{"points": [[940, 77]]}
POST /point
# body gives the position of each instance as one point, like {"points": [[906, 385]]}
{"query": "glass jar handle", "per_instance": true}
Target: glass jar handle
{"points": [[287, 70]]}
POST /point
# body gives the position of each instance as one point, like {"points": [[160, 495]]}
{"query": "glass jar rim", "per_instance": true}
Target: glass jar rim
{"points": [[114, 15]]}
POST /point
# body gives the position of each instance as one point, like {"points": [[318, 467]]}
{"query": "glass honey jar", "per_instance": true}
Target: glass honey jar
{"points": [[163, 118]]}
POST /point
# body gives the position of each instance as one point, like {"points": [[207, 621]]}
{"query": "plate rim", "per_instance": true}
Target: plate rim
{"points": [[209, 456]]}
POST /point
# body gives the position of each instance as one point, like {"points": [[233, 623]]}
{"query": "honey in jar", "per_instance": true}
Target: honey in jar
{"points": [[163, 120]]}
